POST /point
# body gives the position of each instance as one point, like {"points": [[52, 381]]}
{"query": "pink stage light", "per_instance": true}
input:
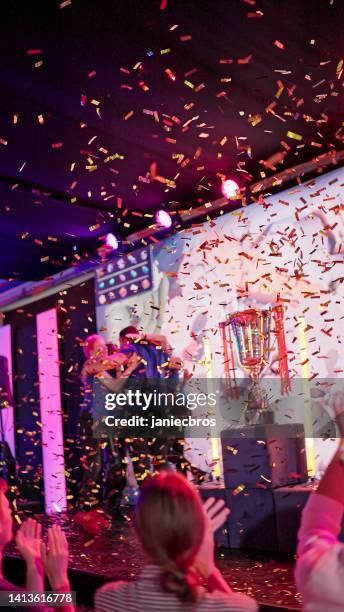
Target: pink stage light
{"points": [[230, 189], [7, 412], [163, 218], [51, 412], [112, 241]]}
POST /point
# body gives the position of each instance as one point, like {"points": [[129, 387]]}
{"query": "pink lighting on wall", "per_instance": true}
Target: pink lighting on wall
{"points": [[6, 385], [51, 413]]}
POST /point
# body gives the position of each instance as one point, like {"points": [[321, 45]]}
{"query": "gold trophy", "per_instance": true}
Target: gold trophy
{"points": [[252, 334]]}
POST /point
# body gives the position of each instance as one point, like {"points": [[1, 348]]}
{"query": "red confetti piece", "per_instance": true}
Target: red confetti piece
{"points": [[170, 74]]}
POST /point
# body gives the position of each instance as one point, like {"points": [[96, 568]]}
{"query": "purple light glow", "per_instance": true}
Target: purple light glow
{"points": [[163, 218]]}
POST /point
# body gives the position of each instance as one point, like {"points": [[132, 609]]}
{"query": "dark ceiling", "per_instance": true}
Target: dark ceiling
{"points": [[102, 100]]}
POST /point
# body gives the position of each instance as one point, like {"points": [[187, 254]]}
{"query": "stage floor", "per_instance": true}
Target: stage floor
{"points": [[116, 555]]}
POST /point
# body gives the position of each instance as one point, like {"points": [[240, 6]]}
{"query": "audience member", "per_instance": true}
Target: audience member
{"points": [[176, 532], [53, 561], [319, 569]]}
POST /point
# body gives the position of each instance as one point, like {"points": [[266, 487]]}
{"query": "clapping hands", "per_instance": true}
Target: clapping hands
{"points": [[28, 540], [53, 558]]}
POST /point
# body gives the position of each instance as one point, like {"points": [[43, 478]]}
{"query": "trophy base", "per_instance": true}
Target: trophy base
{"points": [[259, 417], [257, 411]]}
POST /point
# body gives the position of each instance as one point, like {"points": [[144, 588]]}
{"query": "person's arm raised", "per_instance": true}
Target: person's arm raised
{"points": [[216, 513], [55, 562], [28, 541], [322, 519]]}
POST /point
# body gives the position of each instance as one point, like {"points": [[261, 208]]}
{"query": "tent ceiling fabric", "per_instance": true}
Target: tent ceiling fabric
{"points": [[100, 99]]}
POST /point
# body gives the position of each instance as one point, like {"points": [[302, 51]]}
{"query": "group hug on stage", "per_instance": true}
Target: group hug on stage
{"points": [[110, 463]]}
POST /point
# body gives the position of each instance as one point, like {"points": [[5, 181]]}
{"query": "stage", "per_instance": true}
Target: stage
{"points": [[116, 555]]}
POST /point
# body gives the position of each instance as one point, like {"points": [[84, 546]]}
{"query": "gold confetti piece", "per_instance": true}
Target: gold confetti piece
{"points": [[255, 119], [128, 115], [65, 3], [164, 51], [189, 84], [294, 135], [239, 489], [89, 543]]}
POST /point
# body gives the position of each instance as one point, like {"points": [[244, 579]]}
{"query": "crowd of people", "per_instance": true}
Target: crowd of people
{"points": [[174, 527]]}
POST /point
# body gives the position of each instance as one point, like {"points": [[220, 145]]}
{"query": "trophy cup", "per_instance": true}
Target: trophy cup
{"points": [[252, 333]]}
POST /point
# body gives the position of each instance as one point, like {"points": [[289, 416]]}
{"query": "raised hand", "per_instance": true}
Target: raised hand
{"points": [[55, 558], [215, 514], [28, 541]]}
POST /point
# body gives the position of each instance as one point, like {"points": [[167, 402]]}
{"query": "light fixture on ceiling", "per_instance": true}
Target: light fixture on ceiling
{"points": [[163, 218], [230, 189], [112, 241]]}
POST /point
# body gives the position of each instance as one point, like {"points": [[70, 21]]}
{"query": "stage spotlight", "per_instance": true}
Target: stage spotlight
{"points": [[112, 241], [230, 189], [163, 218]]}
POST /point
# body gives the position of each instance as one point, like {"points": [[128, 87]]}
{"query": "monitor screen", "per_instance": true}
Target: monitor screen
{"points": [[123, 276]]}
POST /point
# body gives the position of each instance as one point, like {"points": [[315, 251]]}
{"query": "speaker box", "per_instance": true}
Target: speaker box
{"points": [[270, 455], [252, 521], [289, 503], [217, 491]]}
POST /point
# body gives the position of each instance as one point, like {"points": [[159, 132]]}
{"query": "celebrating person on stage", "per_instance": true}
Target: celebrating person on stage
{"points": [[140, 359], [103, 459]]}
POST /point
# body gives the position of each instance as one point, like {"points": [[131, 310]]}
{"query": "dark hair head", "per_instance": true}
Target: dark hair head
{"points": [[131, 329], [170, 525], [111, 347]]}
